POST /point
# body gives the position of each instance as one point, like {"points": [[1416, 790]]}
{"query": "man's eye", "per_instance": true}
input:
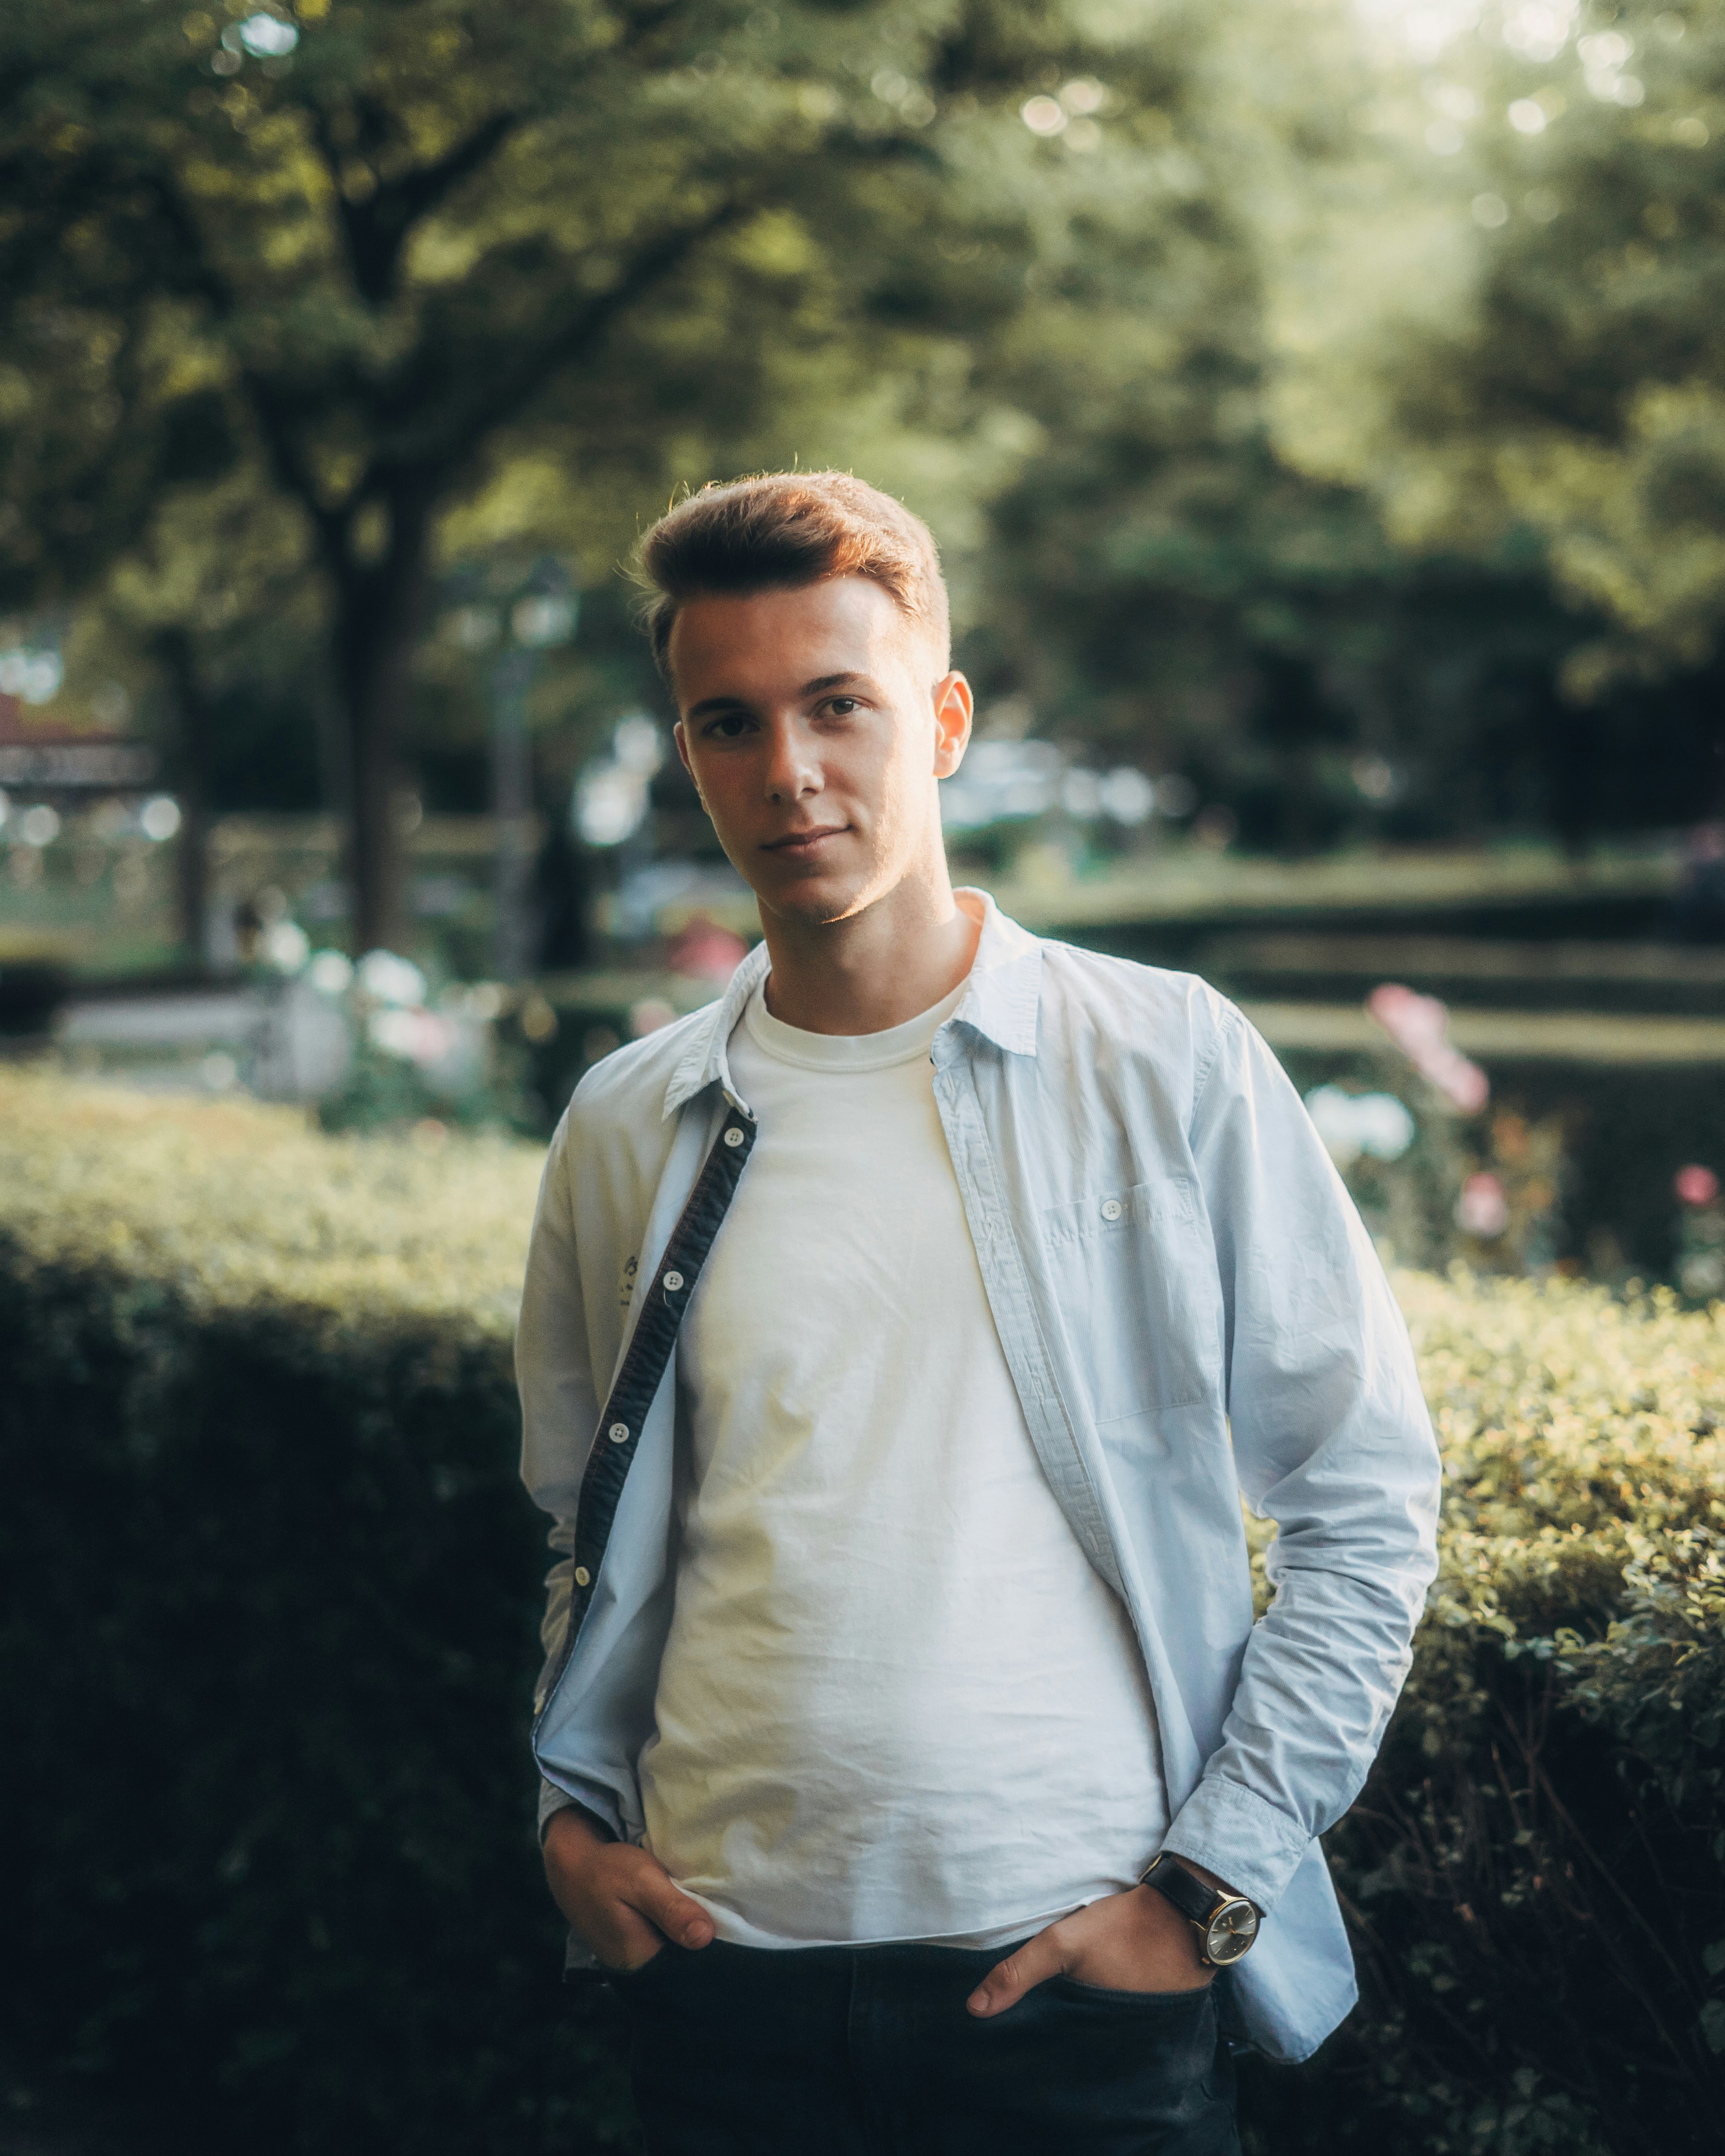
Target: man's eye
{"points": [[841, 707], [728, 727]]}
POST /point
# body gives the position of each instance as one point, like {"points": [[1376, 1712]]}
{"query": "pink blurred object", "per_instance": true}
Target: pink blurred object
{"points": [[648, 1016], [1419, 1025], [1482, 1209], [702, 951], [1695, 1185]]}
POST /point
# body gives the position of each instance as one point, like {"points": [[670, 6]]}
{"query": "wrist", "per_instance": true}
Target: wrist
{"points": [[1177, 1934], [1207, 1878], [1224, 1923], [575, 1827]]}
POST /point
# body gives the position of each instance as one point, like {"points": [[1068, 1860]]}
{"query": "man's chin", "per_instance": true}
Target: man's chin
{"points": [[812, 901]]}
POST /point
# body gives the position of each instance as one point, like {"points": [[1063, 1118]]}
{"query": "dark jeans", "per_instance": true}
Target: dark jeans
{"points": [[869, 2051]]}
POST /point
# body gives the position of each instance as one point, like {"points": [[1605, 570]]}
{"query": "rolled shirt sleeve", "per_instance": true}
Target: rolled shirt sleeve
{"points": [[1332, 1441]]}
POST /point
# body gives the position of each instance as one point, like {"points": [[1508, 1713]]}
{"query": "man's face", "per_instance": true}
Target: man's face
{"points": [[814, 724]]}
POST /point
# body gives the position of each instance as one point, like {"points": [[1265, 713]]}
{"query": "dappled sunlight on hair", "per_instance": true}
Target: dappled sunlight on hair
{"points": [[785, 529]]}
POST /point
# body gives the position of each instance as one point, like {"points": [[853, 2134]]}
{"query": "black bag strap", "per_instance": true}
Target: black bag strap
{"points": [[667, 1297]]}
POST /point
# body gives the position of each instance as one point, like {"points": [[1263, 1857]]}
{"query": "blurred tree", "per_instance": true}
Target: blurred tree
{"points": [[1212, 556], [1522, 281], [202, 594], [1173, 590], [407, 267]]}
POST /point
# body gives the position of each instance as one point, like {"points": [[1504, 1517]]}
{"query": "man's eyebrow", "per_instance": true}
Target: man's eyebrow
{"points": [[817, 686]]}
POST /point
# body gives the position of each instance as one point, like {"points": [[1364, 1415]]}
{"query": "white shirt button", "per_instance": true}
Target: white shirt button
{"points": [[583, 1577], [618, 1432], [733, 1137], [1112, 1209], [673, 1281]]}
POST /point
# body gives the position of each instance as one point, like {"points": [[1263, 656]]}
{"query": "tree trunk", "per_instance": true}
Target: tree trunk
{"points": [[377, 619], [192, 754]]}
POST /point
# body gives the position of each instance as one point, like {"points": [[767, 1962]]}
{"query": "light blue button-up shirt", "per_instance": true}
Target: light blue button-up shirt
{"points": [[1191, 1311]]}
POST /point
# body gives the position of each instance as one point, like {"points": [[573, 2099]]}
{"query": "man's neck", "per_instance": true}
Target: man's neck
{"points": [[876, 969]]}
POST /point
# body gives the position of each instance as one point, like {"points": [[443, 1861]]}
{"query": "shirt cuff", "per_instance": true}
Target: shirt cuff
{"points": [[554, 1800], [551, 1801], [1232, 1831]]}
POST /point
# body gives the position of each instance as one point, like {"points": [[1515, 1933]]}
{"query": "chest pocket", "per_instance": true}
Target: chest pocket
{"points": [[1134, 1275]]}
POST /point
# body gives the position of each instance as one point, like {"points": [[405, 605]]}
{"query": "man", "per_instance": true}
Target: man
{"points": [[899, 1336]]}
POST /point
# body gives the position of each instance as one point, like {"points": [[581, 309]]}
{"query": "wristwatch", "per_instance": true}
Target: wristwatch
{"points": [[1226, 1924]]}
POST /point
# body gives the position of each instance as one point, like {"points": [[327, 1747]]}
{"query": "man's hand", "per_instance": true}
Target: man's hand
{"points": [[619, 1901], [1137, 1941]]}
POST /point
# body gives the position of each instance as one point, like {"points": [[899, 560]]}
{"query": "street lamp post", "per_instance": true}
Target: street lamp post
{"points": [[512, 810]]}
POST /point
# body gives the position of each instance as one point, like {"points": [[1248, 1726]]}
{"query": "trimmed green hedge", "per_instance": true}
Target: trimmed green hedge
{"points": [[268, 1592], [269, 1599], [1535, 1875]]}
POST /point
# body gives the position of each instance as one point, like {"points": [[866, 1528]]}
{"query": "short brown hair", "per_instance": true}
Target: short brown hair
{"points": [[783, 529]]}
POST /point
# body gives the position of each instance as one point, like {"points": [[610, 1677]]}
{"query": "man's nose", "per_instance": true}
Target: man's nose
{"points": [[793, 769]]}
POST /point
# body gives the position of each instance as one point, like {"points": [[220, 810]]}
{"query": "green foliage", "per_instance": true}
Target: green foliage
{"points": [[399, 282], [240, 1207], [271, 1873], [1535, 1875], [1537, 353], [1366, 426], [1281, 405], [1657, 1679]]}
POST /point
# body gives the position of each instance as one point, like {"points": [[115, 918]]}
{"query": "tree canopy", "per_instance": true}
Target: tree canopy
{"points": [[1538, 354], [412, 275]]}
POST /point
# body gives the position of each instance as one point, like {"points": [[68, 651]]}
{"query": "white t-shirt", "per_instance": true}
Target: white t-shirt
{"points": [[896, 1702]]}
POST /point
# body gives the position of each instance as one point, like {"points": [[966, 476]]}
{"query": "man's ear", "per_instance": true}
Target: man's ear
{"points": [[954, 707]]}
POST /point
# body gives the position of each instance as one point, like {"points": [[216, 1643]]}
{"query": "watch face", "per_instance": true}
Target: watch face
{"points": [[1229, 1933]]}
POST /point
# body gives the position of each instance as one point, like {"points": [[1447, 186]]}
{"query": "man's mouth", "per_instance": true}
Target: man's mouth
{"points": [[798, 844]]}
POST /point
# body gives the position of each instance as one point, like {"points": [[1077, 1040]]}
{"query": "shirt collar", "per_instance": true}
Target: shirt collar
{"points": [[703, 1062], [1005, 983]]}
